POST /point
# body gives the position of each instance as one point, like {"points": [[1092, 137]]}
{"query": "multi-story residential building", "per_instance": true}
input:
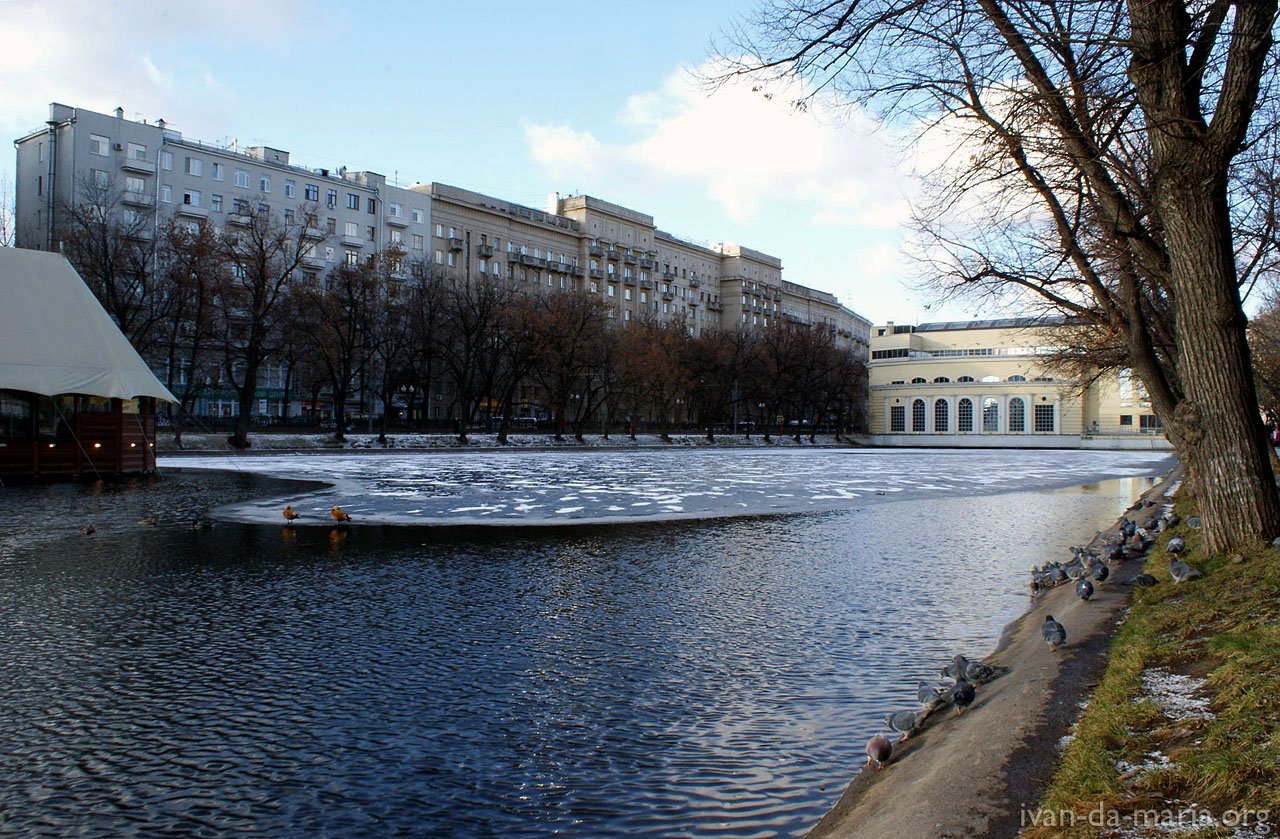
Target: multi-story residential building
{"points": [[150, 172], [985, 383]]}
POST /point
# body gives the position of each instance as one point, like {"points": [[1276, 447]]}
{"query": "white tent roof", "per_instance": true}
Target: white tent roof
{"points": [[56, 338]]}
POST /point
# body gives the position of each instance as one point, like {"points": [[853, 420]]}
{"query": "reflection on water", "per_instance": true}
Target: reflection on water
{"points": [[664, 677]]}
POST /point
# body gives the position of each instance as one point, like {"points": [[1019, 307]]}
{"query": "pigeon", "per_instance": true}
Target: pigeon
{"points": [[290, 514], [1055, 634], [1115, 553], [1084, 589], [1074, 569], [955, 669], [962, 694], [928, 694], [1176, 545], [1181, 571], [339, 514], [879, 750], [1193, 522], [1101, 572], [1143, 580], [1171, 519], [904, 721], [977, 672]]}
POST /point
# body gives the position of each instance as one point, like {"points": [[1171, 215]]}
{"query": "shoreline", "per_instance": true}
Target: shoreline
{"points": [[1008, 743]]}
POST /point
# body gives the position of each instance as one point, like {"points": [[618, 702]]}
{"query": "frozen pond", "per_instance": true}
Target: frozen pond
{"points": [[706, 678], [579, 487]]}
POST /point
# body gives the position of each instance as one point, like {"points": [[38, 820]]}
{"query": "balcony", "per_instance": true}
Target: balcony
{"points": [[143, 167], [694, 282], [192, 211], [715, 306], [352, 241], [313, 262], [595, 250], [646, 284], [614, 254], [455, 244], [693, 303], [668, 295], [596, 274], [484, 251], [138, 199], [313, 233], [646, 262], [629, 259], [397, 221], [629, 280], [242, 219], [668, 276]]}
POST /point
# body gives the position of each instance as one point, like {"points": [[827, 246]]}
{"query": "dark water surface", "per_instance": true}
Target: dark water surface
{"points": [[664, 678]]}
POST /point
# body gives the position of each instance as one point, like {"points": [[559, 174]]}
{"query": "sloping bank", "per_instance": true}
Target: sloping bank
{"points": [[984, 773]]}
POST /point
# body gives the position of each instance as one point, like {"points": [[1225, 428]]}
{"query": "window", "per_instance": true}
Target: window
{"points": [[194, 167], [290, 189], [1044, 419], [453, 263], [351, 229], [1017, 416], [99, 145], [215, 202], [964, 415], [132, 184], [371, 233], [353, 258], [941, 412], [417, 241], [626, 294], [137, 151], [100, 177], [330, 253], [331, 197], [353, 201], [331, 226], [1149, 424], [440, 234], [419, 216], [191, 198], [166, 160], [166, 193], [371, 206], [217, 171], [917, 415], [965, 379], [393, 210], [990, 378], [310, 192], [396, 237], [453, 234], [941, 380], [918, 381], [1126, 420], [439, 257], [264, 184], [288, 219], [1017, 378], [241, 207], [897, 418], [990, 414], [242, 179]]}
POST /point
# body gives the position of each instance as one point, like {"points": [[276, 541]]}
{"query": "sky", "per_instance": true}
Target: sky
{"points": [[513, 99]]}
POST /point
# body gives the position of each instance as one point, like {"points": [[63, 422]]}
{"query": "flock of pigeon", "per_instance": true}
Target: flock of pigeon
{"points": [[1087, 568]]}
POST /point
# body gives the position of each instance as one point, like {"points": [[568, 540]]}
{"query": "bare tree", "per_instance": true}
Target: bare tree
{"points": [[336, 318], [7, 231], [264, 255], [469, 314], [1100, 157]]}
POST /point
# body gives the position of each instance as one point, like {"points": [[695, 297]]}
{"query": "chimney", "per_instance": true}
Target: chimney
{"points": [[119, 113], [160, 123]]}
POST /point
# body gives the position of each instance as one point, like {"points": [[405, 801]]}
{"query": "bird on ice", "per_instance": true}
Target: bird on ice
{"points": [[339, 514], [290, 514]]}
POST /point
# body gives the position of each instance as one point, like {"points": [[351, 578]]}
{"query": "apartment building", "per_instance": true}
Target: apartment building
{"points": [[150, 174], [985, 383]]}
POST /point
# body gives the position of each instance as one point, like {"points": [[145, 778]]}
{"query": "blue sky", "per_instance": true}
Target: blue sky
{"points": [[515, 99]]}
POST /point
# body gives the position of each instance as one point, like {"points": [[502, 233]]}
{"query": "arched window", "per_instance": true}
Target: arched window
{"points": [[991, 378], [1017, 378], [1017, 415], [918, 381], [941, 380], [917, 415], [964, 415], [990, 414], [941, 415], [965, 379]]}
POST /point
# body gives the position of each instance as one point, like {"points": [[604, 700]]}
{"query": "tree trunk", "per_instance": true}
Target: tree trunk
{"points": [[1218, 428]]}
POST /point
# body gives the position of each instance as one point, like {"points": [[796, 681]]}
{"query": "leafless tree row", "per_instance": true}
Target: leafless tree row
{"points": [[227, 310]]}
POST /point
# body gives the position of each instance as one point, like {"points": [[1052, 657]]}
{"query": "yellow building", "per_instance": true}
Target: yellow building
{"points": [[984, 383]]}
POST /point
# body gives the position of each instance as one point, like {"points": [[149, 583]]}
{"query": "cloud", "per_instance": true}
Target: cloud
{"points": [[747, 147]]}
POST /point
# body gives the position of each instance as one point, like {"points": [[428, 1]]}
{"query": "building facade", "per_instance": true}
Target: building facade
{"points": [[985, 383], [151, 174]]}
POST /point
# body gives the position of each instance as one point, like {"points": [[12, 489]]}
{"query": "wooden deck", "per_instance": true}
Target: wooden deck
{"points": [[104, 443]]}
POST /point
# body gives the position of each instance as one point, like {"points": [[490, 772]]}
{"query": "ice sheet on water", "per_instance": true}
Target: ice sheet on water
{"points": [[611, 485]]}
